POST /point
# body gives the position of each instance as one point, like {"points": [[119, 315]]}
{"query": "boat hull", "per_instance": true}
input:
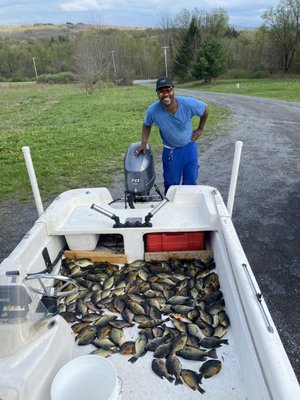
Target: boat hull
{"points": [[254, 364]]}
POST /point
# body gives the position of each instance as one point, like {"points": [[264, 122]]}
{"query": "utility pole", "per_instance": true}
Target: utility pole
{"points": [[114, 63], [166, 60], [35, 70]]}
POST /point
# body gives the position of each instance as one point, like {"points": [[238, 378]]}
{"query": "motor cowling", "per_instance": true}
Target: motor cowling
{"points": [[139, 170]]}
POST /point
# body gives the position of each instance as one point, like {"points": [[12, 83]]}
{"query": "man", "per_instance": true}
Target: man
{"points": [[173, 116]]}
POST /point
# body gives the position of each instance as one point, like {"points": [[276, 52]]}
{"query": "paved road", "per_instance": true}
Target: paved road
{"points": [[267, 207], [266, 212]]}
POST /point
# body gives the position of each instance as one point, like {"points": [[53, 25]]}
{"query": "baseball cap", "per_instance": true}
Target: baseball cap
{"points": [[164, 82]]}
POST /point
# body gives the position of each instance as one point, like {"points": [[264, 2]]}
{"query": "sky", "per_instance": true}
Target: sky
{"points": [[134, 13]]}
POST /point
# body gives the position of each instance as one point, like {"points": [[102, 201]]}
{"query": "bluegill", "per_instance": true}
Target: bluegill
{"points": [[179, 342], [160, 369], [139, 348], [105, 320], [104, 343], [151, 323], [192, 353], [104, 352], [212, 342], [210, 368], [117, 336], [177, 300], [127, 348], [174, 368], [191, 379], [194, 330], [163, 350], [87, 335]]}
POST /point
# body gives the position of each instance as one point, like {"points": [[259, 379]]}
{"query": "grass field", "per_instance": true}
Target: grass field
{"points": [[282, 89], [80, 141], [75, 140]]}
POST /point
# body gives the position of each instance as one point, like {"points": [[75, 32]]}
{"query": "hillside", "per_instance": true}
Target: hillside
{"points": [[46, 30]]}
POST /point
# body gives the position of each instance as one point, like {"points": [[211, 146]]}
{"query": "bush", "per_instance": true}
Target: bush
{"points": [[61, 77], [259, 75], [16, 78], [235, 74], [124, 82], [244, 74]]}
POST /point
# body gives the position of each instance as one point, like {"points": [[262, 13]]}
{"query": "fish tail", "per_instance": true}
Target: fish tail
{"points": [[178, 381], [212, 353], [201, 390], [170, 379], [132, 359]]}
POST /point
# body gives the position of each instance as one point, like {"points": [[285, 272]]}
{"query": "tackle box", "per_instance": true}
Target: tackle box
{"points": [[174, 241]]}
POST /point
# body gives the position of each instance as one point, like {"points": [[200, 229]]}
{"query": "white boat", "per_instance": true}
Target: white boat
{"points": [[36, 344]]}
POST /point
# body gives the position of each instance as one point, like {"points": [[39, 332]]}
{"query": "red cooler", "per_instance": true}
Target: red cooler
{"points": [[174, 241]]}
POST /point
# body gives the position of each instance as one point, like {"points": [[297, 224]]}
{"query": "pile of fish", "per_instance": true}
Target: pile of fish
{"points": [[176, 306]]}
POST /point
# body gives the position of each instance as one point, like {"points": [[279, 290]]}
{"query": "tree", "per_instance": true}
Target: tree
{"points": [[186, 52], [90, 59], [61, 49], [217, 24], [283, 22], [210, 61]]}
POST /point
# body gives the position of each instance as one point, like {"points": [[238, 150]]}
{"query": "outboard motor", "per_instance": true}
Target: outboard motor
{"points": [[139, 174]]}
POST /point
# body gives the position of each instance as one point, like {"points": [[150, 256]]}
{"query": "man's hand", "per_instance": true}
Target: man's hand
{"points": [[140, 148], [196, 134]]}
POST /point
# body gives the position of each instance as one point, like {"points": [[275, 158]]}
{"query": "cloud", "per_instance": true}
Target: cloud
{"points": [[120, 12], [85, 5]]}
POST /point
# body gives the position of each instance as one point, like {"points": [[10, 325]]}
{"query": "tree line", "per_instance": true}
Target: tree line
{"points": [[195, 45]]}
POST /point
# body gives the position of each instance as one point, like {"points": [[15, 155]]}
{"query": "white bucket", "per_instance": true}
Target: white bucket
{"points": [[89, 377]]}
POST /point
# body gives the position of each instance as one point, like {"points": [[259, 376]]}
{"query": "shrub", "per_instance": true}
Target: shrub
{"points": [[235, 74], [61, 77], [17, 78], [259, 75]]}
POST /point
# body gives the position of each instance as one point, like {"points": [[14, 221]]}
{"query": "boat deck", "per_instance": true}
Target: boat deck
{"points": [[192, 210], [140, 382], [195, 209], [254, 363]]}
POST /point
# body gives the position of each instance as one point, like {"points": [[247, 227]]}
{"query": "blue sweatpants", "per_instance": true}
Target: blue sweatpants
{"points": [[180, 165]]}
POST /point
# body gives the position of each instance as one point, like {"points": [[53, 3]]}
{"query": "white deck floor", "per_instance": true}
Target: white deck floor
{"points": [[141, 383]]}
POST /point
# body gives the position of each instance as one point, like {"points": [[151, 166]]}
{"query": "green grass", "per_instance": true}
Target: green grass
{"points": [[75, 140], [282, 89], [80, 141]]}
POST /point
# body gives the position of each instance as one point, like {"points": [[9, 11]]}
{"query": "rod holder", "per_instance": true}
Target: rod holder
{"points": [[33, 181], [133, 223], [106, 213], [234, 176], [156, 209]]}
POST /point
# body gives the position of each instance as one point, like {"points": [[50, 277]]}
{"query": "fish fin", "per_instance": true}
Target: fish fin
{"points": [[178, 381], [143, 353], [200, 376], [134, 358], [212, 353]]}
